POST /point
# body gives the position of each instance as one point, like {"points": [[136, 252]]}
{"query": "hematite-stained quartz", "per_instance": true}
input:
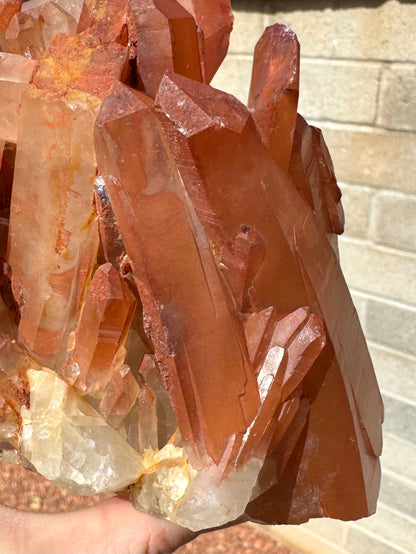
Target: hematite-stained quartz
{"points": [[174, 323]]}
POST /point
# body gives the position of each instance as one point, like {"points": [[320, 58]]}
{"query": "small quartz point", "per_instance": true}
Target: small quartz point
{"points": [[110, 237], [165, 415], [105, 22], [102, 330], [313, 174], [16, 72], [8, 8], [119, 396], [274, 91], [174, 323], [215, 23], [167, 24], [24, 36], [72, 7]]}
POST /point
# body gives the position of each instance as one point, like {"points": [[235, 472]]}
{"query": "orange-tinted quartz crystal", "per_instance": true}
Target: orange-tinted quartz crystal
{"points": [[174, 323]]}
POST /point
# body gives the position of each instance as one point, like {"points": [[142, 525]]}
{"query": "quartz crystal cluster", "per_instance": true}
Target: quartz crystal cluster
{"points": [[174, 323]]}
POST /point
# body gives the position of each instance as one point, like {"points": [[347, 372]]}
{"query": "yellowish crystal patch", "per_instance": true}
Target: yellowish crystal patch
{"points": [[69, 443], [166, 477]]}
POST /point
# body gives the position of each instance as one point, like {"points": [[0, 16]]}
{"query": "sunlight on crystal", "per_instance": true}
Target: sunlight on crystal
{"points": [[174, 323]]}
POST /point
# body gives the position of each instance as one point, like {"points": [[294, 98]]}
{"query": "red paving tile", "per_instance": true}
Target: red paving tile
{"points": [[241, 539]]}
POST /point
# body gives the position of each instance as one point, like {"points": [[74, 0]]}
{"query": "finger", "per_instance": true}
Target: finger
{"points": [[111, 527]]}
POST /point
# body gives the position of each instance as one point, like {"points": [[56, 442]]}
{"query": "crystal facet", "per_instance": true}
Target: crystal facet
{"points": [[174, 323]]}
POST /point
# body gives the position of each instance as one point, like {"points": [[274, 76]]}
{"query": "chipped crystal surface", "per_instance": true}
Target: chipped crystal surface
{"points": [[174, 323]]}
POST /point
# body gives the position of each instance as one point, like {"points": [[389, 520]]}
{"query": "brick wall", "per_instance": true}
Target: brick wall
{"points": [[358, 84]]}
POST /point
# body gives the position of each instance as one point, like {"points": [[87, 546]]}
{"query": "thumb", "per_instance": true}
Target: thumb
{"points": [[113, 526]]}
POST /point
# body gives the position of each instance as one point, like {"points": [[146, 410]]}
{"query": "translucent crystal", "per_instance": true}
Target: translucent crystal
{"points": [[70, 444], [16, 72], [174, 323]]}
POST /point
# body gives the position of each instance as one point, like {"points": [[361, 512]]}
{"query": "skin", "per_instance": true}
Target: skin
{"points": [[111, 527]]}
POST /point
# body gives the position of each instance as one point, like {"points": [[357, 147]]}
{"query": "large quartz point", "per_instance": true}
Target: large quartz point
{"points": [[174, 323]]}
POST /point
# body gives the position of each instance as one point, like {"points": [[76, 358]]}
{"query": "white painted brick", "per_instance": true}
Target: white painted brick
{"points": [[393, 220], [371, 156], [234, 76], [396, 372], [356, 200], [391, 526], [339, 90], [400, 420], [360, 303], [391, 324], [397, 103], [249, 25], [398, 494], [302, 540], [333, 530], [399, 456], [378, 31], [378, 270], [361, 542]]}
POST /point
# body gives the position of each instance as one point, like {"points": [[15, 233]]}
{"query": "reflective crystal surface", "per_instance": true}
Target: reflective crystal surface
{"points": [[174, 323]]}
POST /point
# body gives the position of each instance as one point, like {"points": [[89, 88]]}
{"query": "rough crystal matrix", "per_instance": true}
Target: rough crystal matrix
{"points": [[174, 323]]}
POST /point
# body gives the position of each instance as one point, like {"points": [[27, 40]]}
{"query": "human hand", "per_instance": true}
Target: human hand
{"points": [[110, 527]]}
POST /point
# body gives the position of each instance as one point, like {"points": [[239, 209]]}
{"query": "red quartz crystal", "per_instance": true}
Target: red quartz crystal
{"points": [[8, 8], [171, 270]]}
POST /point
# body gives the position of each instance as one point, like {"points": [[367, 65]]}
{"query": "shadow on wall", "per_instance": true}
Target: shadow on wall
{"points": [[270, 6]]}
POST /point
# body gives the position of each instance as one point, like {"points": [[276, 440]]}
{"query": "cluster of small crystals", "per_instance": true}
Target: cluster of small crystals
{"points": [[174, 324]]}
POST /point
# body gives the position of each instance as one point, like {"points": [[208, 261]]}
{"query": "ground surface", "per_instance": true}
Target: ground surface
{"points": [[28, 491], [241, 539]]}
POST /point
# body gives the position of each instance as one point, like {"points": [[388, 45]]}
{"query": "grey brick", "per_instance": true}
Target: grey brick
{"points": [[396, 372], [371, 156], [400, 420], [399, 457], [393, 325], [333, 29], [397, 103], [378, 270], [234, 76], [359, 542], [393, 220], [338, 90], [389, 525], [356, 200], [398, 495]]}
